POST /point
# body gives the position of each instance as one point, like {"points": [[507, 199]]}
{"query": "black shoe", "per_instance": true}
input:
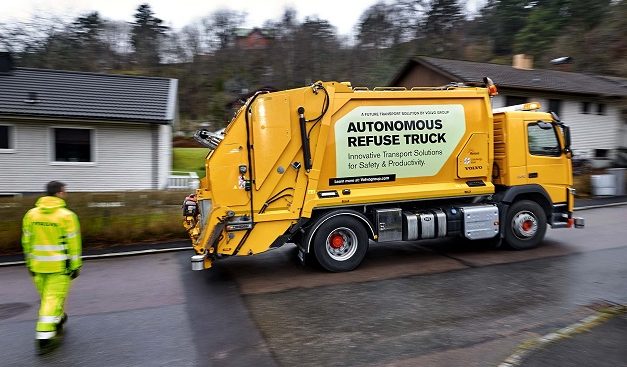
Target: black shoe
{"points": [[45, 346], [61, 322]]}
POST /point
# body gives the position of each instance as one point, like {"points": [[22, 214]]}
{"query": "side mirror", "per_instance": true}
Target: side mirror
{"points": [[566, 131]]}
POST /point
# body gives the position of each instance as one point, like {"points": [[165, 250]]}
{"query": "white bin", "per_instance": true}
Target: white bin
{"points": [[619, 180], [603, 185]]}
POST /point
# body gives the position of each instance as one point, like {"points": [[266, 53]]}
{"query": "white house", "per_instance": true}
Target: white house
{"points": [[94, 132], [593, 106]]}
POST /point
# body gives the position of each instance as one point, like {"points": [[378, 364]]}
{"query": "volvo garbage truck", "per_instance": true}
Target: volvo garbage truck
{"points": [[332, 169]]}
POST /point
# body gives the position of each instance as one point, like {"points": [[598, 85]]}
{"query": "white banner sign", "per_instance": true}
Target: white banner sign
{"points": [[396, 141]]}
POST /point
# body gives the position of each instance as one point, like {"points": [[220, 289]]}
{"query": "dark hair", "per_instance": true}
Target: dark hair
{"points": [[54, 187]]}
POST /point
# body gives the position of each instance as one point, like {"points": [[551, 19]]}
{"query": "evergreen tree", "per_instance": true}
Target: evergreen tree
{"points": [[316, 43], [376, 27], [549, 19], [501, 20], [147, 35], [86, 34], [443, 28]]}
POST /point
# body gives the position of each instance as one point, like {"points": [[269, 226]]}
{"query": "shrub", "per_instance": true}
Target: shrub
{"points": [[107, 219]]}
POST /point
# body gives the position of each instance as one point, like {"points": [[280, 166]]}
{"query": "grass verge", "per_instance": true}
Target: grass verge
{"points": [[189, 160]]}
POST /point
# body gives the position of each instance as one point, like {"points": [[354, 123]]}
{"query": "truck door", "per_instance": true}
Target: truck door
{"points": [[547, 164]]}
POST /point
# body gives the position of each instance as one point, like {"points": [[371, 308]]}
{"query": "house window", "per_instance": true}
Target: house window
{"points": [[585, 108], [7, 143], [543, 140], [514, 100], [72, 145], [601, 109], [555, 105]]}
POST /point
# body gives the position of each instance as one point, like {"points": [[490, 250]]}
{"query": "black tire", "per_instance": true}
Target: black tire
{"points": [[483, 244], [525, 225], [488, 243], [340, 243], [493, 243]]}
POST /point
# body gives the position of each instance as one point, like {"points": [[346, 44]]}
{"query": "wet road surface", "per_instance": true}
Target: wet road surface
{"points": [[407, 305]]}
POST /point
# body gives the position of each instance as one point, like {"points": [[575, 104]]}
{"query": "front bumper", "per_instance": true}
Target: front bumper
{"points": [[563, 218], [579, 222]]}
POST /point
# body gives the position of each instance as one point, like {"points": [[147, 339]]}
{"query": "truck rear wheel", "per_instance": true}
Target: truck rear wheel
{"points": [[525, 225], [340, 244]]}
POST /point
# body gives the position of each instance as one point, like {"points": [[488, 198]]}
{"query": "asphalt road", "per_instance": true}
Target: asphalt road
{"points": [[427, 304]]}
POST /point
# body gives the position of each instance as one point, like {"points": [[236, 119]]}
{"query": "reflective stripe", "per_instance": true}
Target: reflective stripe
{"points": [[50, 319], [49, 247], [70, 235], [49, 258], [75, 257], [26, 233], [46, 334]]}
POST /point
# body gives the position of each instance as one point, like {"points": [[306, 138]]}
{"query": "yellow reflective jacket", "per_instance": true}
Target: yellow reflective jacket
{"points": [[51, 237]]}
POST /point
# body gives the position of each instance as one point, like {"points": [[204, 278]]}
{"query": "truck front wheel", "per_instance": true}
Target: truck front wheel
{"points": [[525, 225], [340, 244]]}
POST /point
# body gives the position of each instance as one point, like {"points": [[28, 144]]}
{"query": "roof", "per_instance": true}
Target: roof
{"points": [[245, 32], [506, 76], [79, 95]]}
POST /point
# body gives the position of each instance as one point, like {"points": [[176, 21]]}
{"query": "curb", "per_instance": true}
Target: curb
{"points": [[172, 249], [113, 254], [600, 206]]}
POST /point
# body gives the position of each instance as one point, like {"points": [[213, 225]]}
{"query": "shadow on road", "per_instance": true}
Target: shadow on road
{"points": [[223, 331]]}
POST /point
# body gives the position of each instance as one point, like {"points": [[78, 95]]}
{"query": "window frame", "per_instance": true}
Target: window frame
{"points": [[585, 108], [52, 146], [557, 139], [12, 138], [521, 100], [601, 109], [555, 102]]}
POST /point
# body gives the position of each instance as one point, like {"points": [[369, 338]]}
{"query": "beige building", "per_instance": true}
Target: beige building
{"points": [[594, 106]]}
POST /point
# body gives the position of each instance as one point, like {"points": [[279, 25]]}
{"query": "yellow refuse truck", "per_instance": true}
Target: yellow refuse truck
{"points": [[331, 168]]}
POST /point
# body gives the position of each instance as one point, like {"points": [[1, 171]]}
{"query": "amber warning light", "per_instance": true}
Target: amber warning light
{"points": [[530, 106], [492, 90]]}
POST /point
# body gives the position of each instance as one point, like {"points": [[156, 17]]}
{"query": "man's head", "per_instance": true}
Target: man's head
{"points": [[55, 188]]}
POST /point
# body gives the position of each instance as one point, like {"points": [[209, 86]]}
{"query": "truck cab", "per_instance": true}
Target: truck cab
{"points": [[532, 160]]}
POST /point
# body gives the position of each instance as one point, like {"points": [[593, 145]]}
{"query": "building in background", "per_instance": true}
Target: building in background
{"points": [[252, 39], [594, 106], [95, 132]]}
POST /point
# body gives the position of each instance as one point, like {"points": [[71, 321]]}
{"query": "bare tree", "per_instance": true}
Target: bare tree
{"points": [[224, 24], [117, 36]]}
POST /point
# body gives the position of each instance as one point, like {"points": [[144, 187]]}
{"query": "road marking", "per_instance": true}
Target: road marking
{"points": [[585, 324]]}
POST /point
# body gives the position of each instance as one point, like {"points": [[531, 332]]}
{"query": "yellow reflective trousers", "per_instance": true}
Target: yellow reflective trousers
{"points": [[53, 289]]}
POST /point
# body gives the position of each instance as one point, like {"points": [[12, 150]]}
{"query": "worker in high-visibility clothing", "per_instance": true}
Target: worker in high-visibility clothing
{"points": [[51, 240]]}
